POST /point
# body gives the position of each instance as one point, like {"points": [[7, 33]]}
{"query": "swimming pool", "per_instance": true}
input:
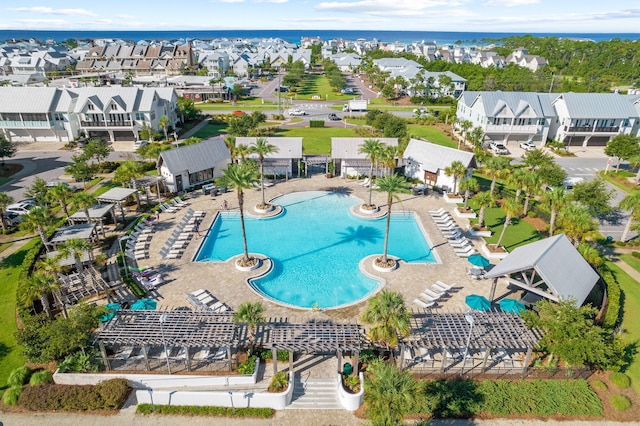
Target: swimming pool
{"points": [[315, 246]]}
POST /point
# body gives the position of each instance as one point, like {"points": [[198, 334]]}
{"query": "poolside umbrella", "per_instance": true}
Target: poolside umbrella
{"points": [[477, 302], [478, 260], [512, 305], [144, 305], [111, 311]]}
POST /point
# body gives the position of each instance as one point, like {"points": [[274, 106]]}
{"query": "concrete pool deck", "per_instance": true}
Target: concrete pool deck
{"points": [[229, 285]]}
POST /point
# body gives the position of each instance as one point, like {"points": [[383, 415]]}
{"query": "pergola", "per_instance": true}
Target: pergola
{"points": [[275, 167], [117, 196], [474, 331], [75, 287], [311, 337], [316, 160], [97, 213], [83, 231], [176, 328], [147, 182]]}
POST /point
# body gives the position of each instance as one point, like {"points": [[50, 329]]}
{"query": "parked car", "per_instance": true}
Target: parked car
{"points": [[20, 208], [347, 91], [333, 117], [296, 112], [12, 218], [528, 146], [238, 113], [54, 183], [140, 144], [500, 149]]}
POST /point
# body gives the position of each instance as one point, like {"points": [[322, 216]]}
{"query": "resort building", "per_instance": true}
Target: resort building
{"points": [[284, 161], [192, 165], [427, 162], [350, 162]]}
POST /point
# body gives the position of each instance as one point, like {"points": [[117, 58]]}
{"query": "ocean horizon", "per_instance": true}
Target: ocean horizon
{"points": [[294, 36]]}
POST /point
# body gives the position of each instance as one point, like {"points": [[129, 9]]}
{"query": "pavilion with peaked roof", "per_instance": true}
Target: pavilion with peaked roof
{"points": [[117, 196], [551, 268], [97, 213]]}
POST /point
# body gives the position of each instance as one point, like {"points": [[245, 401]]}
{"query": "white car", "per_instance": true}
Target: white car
{"points": [[19, 208], [296, 112], [528, 146], [500, 149], [140, 144]]}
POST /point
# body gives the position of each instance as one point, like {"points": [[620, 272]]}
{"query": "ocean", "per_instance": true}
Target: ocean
{"points": [[294, 36]]}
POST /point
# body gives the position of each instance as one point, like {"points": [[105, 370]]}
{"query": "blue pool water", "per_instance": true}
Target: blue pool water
{"points": [[315, 245]]}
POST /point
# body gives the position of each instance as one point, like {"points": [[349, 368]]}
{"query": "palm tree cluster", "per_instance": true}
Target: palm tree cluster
{"points": [[378, 154]]}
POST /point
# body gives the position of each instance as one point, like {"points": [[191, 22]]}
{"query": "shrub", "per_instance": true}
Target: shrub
{"points": [[108, 395], [12, 395], [248, 366], [613, 295], [316, 123], [41, 377], [635, 254], [279, 382], [599, 384], [19, 376], [281, 354], [107, 166], [621, 380], [78, 363], [113, 392], [620, 402], [262, 413]]}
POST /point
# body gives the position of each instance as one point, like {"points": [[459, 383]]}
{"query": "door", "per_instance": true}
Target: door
{"points": [[179, 183]]}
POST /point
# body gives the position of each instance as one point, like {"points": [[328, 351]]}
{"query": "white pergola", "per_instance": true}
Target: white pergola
{"points": [[117, 196]]}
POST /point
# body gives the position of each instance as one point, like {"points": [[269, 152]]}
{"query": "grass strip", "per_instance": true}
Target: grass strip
{"points": [[260, 413]]}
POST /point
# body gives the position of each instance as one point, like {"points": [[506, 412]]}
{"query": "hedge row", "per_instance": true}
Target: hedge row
{"points": [[108, 395], [613, 295], [316, 123], [262, 413]]}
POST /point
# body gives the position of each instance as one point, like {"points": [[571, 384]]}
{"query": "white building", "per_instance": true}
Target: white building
{"points": [[349, 161], [283, 162]]}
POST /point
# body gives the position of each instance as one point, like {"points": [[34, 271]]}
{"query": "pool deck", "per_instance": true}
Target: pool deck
{"points": [[230, 286]]}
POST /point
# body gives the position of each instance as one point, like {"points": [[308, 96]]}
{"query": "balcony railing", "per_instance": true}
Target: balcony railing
{"points": [[106, 123], [15, 123], [591, 129], [530, 128]]}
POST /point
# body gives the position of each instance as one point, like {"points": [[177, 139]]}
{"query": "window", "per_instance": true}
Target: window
{"points": [[90, 107], [58, 116], [140, 116], [201, 176]]}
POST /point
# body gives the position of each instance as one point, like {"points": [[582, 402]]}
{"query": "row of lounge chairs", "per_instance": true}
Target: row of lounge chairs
{"points": [[180, 237], [137, 246], [206, 353], [173, 205], [203, 299], [450, 229], [430, 296]]}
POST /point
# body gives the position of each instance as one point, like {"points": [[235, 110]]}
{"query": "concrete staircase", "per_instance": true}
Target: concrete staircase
{"points": [[314, 394]]}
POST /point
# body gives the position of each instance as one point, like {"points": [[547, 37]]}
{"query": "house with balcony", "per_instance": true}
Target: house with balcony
{"points": [[591, 118], [508, 116]]}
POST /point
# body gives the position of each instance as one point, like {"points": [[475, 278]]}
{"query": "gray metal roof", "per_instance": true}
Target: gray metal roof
{"points": [[517, 102], [65, 233], [349, 147], [28, 99], [97, 211], [563, 269], [288, 148], [434, 157], [597, 105], [196, 157], [116, 194]]}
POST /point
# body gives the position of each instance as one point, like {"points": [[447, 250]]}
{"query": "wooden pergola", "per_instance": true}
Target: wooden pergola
{"points": [[97, 213], [117, 196], [316, 160], [79, 285]]}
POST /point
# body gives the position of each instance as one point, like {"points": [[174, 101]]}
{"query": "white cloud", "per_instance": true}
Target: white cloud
{"points": [[572, 17], [41, 23], [402, 7], [50, 11], [510, 3], [122, 16]]}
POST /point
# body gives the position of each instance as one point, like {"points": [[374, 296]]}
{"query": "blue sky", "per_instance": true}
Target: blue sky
{"points": [[419, 15]]}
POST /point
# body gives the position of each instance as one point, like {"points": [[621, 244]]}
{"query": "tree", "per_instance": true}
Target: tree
{"points": [[98, 149], [163, 122], [531, 186], [250, 314], [75, 247], [127, 174], [390, 394], [38, 287], [80, 169], [623, 147], [591, 255], [82, 201], [38, 190], [389, 317], [36, 221], [230, 142], [551, 175], [242, 151], [511, 208], [388, 157], [555, 201], [536, 158], [485, 200], [631, 203], [517, 178], [186, 109], [7, 149], [468, 185], [497, 167], [577, 223], [262, 148], [372, 148], [465, 125], [594, 195], [5, 200], [240, 177], [60, 194], [392, 185], [457, 170]]}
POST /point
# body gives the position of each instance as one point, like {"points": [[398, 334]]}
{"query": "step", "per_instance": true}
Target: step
{"points": [[315, 394]]}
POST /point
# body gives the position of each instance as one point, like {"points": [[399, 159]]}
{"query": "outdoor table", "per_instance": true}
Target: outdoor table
{"points": [[476, 273]]}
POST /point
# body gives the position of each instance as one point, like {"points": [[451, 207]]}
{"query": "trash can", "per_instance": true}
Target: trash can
{"points": [[347, 369]]}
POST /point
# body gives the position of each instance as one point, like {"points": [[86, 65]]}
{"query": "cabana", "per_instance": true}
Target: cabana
{"points": [[83, 231], [79, 285], [350, 161], [288, 152], [97, 213], [117, 196]]}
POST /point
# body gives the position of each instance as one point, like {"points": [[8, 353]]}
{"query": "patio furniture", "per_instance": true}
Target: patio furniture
{"points": [[444, 286], [424, 304], [434, 294], [437, 212]]}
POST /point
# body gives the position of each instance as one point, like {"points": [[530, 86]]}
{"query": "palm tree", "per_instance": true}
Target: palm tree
{"points": [[163, 122], [511, 208], [240, 177], [39, 286], [497, 167], [62, 195], [242, 151], [49, 266], [392, 185], [75, 247], [36, 221], [555, 201], [230, 142], [372, 148], [484, 200], [468, 185], [388, 157], [262, 148], [517, 178], [465, 125], [128, 172], [82, 201], [531, 186], [591, 255], [632, 203], [390, 393], [457, 170], [5, 200], [252, 315], [389, 316], [577, 223]]}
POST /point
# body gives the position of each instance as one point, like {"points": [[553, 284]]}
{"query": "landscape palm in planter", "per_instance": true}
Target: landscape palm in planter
{"points": [[468, 185], [372, 148], [457, 170], [262, 148], [484, 200], [250, 314], [392, 185]]}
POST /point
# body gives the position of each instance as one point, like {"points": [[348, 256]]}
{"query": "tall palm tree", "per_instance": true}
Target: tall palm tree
{"points": [[497, 167], [262, 148], [484, 200], [468, 185], [5, 200], [591, 255], [82, 201], [39, 286], [250, 314], [511, 208], [36, 221], [240, 177], [230, 142], [242, 151], [577, 223], [372, 148], [555, 201], [163, 122], [49, 266], [61, 194], [388, 157], [531, 186], [465, 125], [457, 170], [517, 178], [75, 247], [632, 203], [392, 185], [389, 316]]}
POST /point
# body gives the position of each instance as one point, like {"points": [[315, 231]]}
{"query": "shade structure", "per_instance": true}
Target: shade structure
{"points": [[144, 305], [478, 260], [477, 302], [111, 311], [512, 305]]}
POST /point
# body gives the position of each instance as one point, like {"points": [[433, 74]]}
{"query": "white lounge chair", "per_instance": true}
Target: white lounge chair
{"points": [[434, 294], [463, 245], [443, 219], [365, 182], [443, 286], [437, 212], [423, 304]]}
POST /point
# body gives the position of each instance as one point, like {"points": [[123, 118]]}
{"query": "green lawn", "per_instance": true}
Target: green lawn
{"points": [[432, 134], [10, 352], [619, 179], [318, 85], [634, 262], [316, 140], [210, 130], [518, 233], [630, 301]]}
